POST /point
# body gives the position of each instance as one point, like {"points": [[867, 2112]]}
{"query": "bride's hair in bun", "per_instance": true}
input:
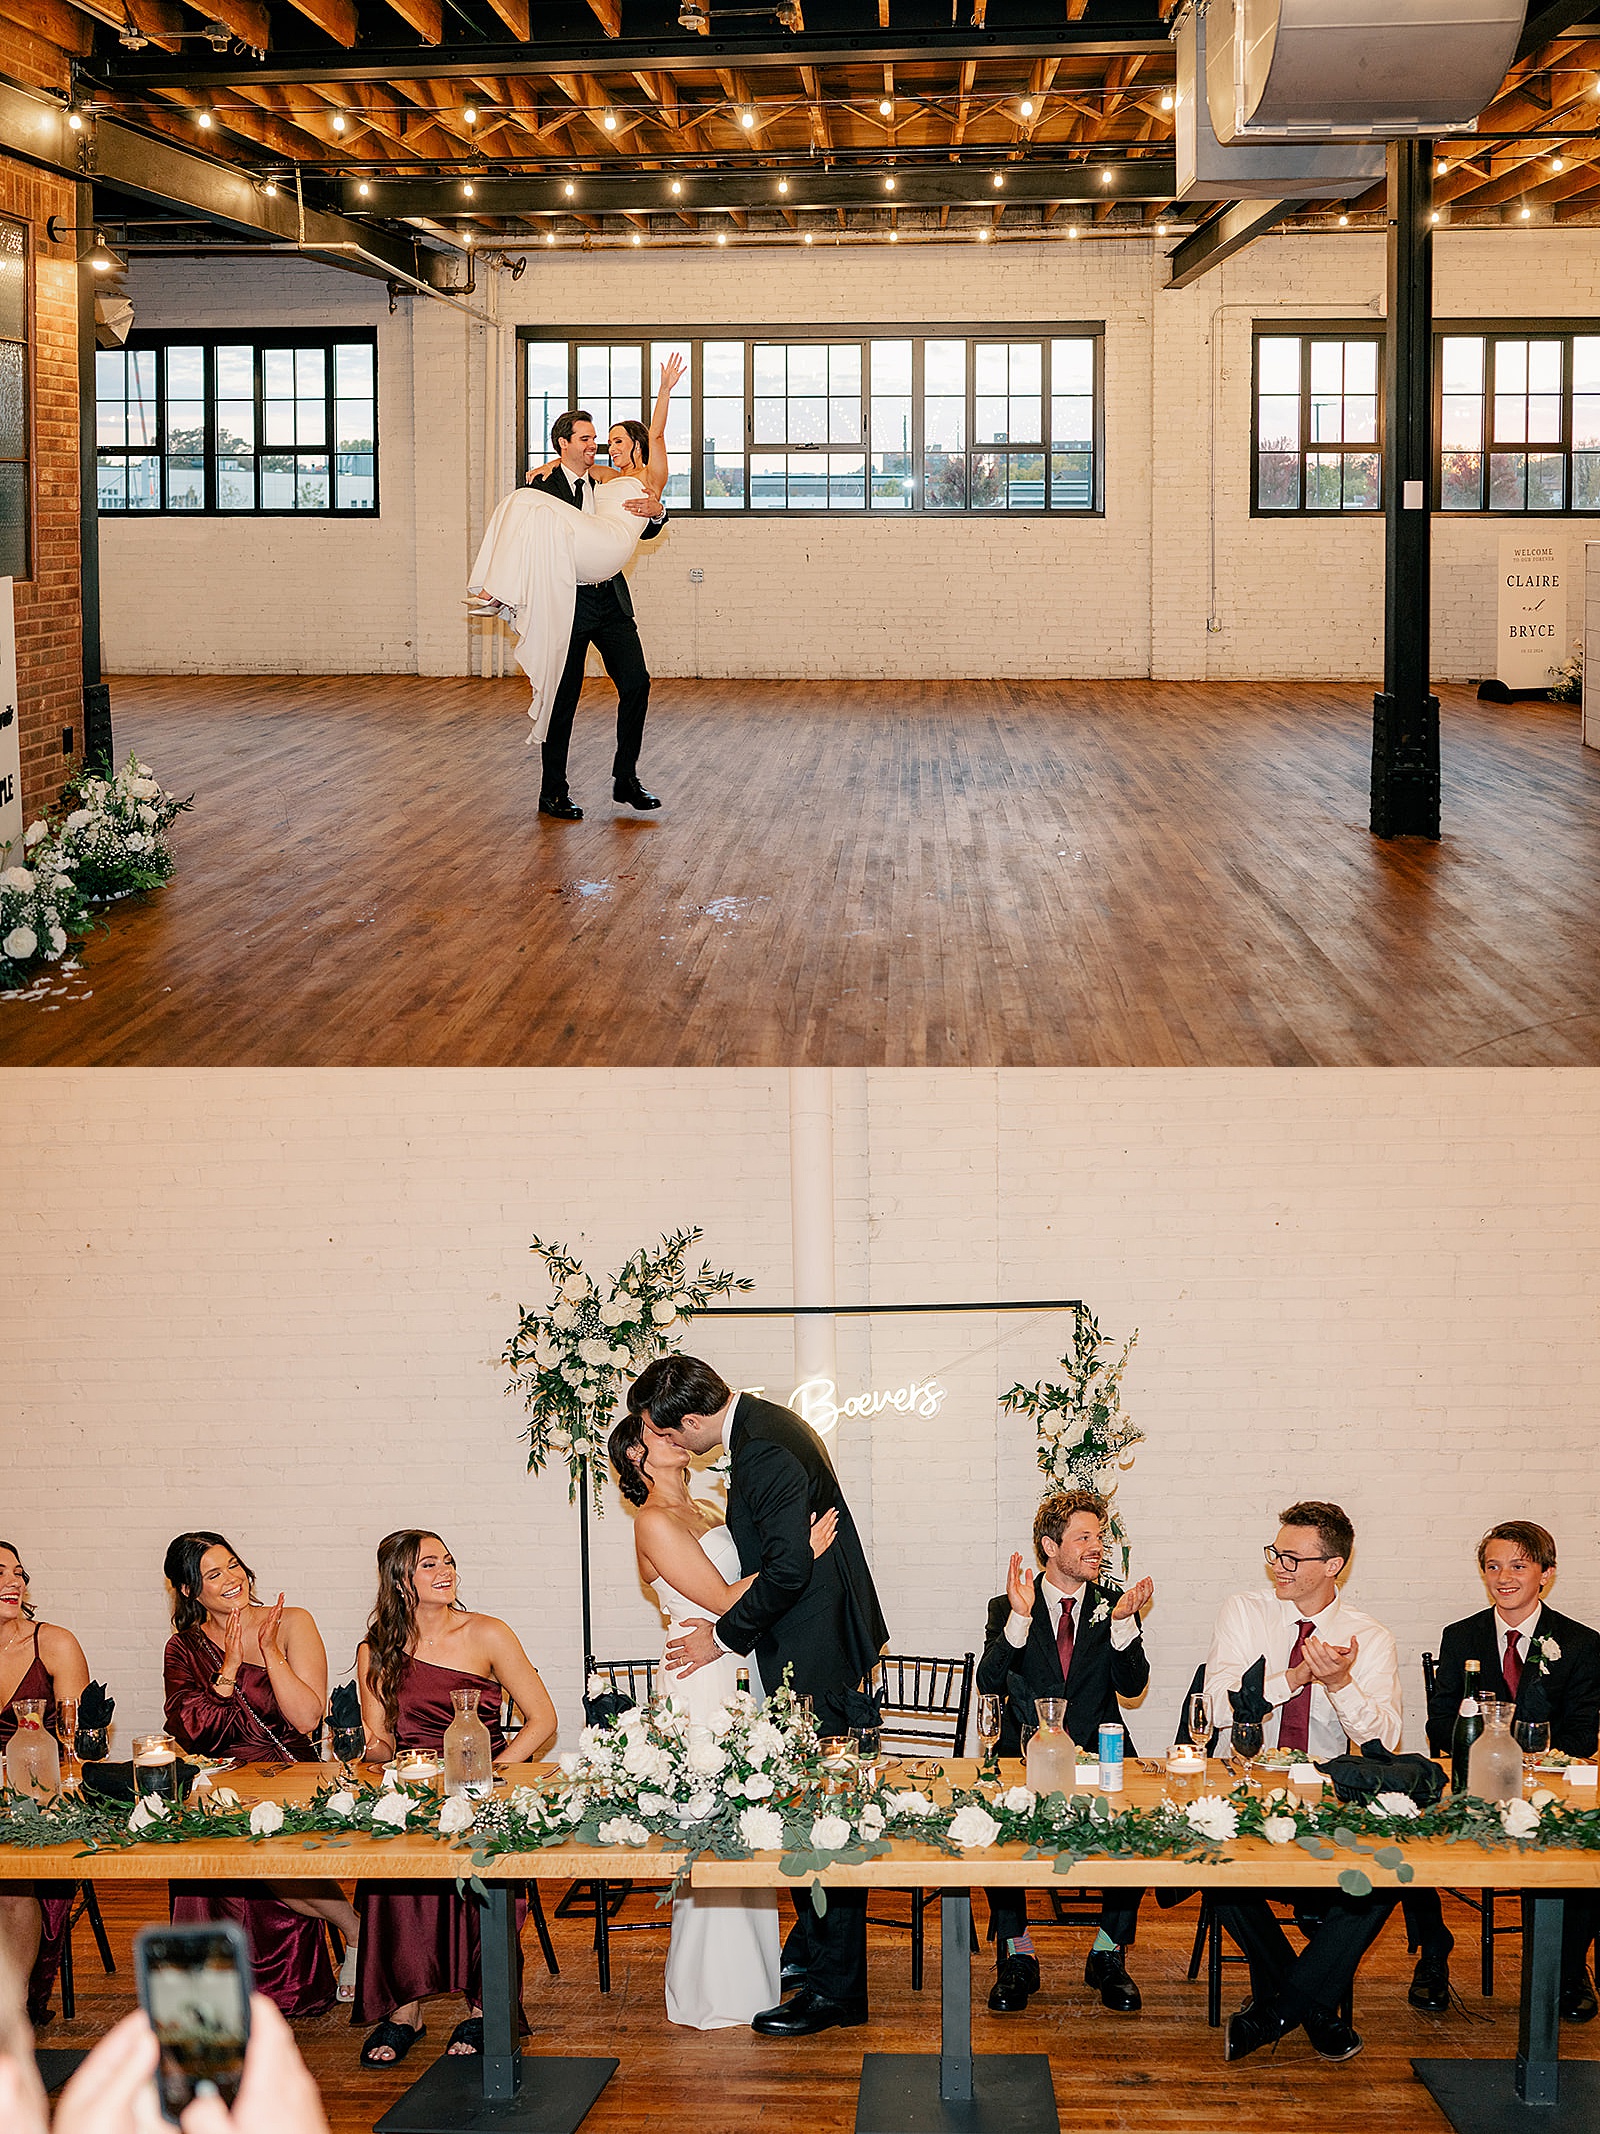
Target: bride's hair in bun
{"points": [[626, 1448]]}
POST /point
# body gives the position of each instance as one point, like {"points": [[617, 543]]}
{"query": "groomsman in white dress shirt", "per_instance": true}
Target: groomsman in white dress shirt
{"points": [[1333, 1678]]}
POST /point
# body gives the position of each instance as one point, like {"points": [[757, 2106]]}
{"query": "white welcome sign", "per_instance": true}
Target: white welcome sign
{"points": [[1532, 632], [10, 737]]}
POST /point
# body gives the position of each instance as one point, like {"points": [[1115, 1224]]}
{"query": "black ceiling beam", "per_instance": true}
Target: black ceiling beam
{"points": [[612, 55], [1564, 18], [1150, 178], [1225, 234]]}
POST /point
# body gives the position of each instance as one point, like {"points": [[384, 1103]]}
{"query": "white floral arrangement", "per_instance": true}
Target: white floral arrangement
{"points": [[1083, 1435], [41, 909], [113, 831], [569, 1361], [1541, 1652]]}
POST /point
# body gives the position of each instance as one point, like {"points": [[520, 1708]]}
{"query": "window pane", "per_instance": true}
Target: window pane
{"points": [[1324, 481], [1510, 418], [769, 488], [771, 370], [1071, 481], [1326, 418], [1023, 426], [144, 482], [1544, 418], [310, 373], [723, 425], [1027, 367], [991, 421], [110, 373], [1327, 366], [844, 369], [186, 482], [771, 421], [186, 425], [1072, 420], [1025, 482], [277, 373], [1361, 366], [847, 481], [1361, 491], [142, 376], [1278, 365], [235, 373], [1461, 481], [844, 420], [13, 522], [892, 486], [1511, 367], [1586, 481], [277, 417], [111, 483], [944, 481], [891, 423], [111, 422], [1506, 477], [185, 374], [989, 369], [808, 369], [277, 482], [1279, 427], [1360, 419], [808, 421], [236, 425], [1072, 366], [352, 370], [355, 485], [891, 367], [594, 375], [1585, 364], [311, 484], [944, 424], [1544, 366], [1545, 485], [355, 425], [944, 367], [986, 475], [13, 289], [724, 367], [13, 400], [236, 482], [311, 422], [1461, 427], [1278, 480], [680, 411], [1463, 363]]}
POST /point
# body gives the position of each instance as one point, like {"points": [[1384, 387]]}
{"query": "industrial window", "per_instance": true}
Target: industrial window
{"points": [[1519, 421], [15, 415], [228, 424], [1317, 428], [852, 420]]}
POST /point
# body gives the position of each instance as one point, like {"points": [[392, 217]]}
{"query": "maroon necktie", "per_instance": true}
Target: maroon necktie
{"points": [[1294, 1728], [1511, 1665], [1064, 1638]]}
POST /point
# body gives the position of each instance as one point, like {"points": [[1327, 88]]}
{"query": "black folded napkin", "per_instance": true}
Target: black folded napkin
{"points": [[605, 1706], [344, 1706], [95, 1708], [1373, 1770], [1249, 1700], [114, 1782]]}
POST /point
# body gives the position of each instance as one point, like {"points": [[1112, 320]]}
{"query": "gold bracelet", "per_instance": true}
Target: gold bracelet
{"points": [[223, 1689]]}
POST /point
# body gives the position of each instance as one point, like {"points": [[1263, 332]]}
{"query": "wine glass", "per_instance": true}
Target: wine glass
{"points": [[989, 1711], [348, 1744], [1197, 1716], [1247, 1743], [1533, 1738], [67, 1735], [868, 1741]]}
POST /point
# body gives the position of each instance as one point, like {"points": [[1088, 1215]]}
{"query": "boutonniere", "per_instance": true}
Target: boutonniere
{"points": [[1102, 1613], [1541, 1652]]}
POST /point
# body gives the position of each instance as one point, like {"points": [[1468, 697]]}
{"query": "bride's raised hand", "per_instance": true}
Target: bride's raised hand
{"points": [[671, 371], [824, 1530]]}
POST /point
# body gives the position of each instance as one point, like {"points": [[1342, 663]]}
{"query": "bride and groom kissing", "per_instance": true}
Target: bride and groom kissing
{"points": [[785, 1582]]}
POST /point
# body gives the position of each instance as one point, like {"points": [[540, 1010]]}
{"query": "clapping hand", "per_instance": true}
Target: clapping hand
{"points": [[1133, 1599], [233, 1644], [1019, 1587], [1329, 1664], [272, 1634]]}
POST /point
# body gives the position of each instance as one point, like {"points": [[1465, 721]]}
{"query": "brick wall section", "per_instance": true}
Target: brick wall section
{"points": [[32, 61], [48, 607], [1376, 1288]]}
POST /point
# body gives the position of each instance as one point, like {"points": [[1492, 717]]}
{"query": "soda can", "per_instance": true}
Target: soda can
{"points": [[1111, 1758]]}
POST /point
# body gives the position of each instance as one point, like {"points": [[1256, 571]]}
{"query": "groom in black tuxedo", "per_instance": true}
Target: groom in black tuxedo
{"points": [[602, 617], [816, 1615], [1067, 1635], [1548, 1665]]}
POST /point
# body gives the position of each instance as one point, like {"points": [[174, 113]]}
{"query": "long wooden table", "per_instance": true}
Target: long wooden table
{"points": [[951, 2091]]}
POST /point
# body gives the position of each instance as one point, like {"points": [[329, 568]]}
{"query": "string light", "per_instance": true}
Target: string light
{"points": [[364, 189], [610, 122], [807, 238], [550, 237], [466, 188], [1166, 101], [1161, 229], [204, 122], [467, 240], [1434, 216], [75, 121], [1558, 162], [1344, 222], [722, 237], [636, 238], [888, 185], [1073, 231], [271, 188], [470, 115], [1026, 107], [894, 237], [885, 108], [998, 181], [1105, 177], [783, 185], [983, 237], [747, 118], [1527, 214], [1441, 168], [338, 122], [676, 187], [570, 189]]}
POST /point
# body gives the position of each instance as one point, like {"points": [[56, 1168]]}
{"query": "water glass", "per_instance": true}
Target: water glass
{"points": [[67, 1735]]}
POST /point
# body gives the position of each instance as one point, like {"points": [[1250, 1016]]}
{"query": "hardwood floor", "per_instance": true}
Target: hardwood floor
{"points": [[903, 874], [1155, 2073]]}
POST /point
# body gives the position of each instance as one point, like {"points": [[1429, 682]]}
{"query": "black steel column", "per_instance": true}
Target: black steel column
{"points": [[955, 1996], [502, 2005], [1405, 717], [96, 736], [1538, 2078]]}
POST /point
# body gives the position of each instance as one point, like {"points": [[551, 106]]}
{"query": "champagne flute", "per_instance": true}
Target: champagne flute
{"points": [[67, 1735], [1247, 1743], [1533, 1738], [1197, 1714], [989, 1710]]}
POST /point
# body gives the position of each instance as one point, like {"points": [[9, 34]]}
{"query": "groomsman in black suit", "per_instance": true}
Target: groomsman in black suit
{"points": [[602, 617], [1548, 1665], [816, 1615], [1065, 1634]]}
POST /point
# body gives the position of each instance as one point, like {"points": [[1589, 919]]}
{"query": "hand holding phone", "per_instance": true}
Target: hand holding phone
{"points": [[194, 1985]]}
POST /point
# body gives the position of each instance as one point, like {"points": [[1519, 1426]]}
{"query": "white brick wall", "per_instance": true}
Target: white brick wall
{"points": [[1130, 594], [274, 1302]]}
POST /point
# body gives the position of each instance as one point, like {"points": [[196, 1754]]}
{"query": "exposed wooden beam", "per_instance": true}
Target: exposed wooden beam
{"points": [[248, 20], [55, 21], [514, 14], [426, 17], [608, 13], [339, 18], [816, 112], [161, 22], [958, 131]]}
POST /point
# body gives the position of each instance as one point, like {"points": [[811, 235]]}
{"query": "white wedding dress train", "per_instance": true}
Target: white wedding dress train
{"points": [[723, 1964], [535, 553]]}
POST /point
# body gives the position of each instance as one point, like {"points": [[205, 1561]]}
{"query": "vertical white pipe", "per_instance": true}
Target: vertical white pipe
{"points": [[811, 1218]]}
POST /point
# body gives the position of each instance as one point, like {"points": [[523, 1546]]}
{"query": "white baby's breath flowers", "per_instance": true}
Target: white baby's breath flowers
{"points": [[1213, 1817], [829, 1832], [393, 1810], [623, 1830], [1279, 1829], [266, 1819], [761, 1829], [456, 1815], [972, 1827]]}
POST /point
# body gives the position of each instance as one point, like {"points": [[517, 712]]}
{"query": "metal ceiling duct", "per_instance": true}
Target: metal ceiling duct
{"points": [[1337, 69], [1253, 170]]}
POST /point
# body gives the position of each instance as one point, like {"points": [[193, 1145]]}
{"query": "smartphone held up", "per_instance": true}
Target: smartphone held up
{"points": [[194, 1984]]}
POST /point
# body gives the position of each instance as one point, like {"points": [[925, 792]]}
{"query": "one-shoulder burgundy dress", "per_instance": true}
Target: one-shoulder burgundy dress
{"points": [[419, 1938], [55, 1898], [288, 1953]]}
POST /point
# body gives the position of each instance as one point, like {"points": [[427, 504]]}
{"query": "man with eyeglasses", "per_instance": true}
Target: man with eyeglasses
{"points": [[1332, 1678]]}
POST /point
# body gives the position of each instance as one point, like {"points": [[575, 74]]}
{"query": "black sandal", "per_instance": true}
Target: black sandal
{"points": [[468, 2034], [399, 2037]]}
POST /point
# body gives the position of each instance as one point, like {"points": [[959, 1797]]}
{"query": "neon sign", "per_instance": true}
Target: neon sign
{"points": [[817, 1402]]}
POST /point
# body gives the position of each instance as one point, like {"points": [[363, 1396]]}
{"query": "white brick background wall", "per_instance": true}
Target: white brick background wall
{"points": [[274, 1302], [1130, 594]]}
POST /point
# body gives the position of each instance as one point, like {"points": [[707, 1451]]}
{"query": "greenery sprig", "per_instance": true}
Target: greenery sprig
{"points": [[1083, 1435]]}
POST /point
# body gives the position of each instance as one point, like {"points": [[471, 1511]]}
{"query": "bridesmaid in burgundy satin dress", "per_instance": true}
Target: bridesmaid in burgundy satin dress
{"points": [[36, 1660], [250, 1682], [421, 1644]]}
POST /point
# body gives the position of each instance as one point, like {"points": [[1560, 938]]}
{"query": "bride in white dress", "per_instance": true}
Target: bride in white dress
{"points": [[723, 1964], [536, 552]]}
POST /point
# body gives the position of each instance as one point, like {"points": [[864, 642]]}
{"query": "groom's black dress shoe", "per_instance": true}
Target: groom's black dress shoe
{"points": [[558, 805], [1018, 1976], [1578, 2003], [1430, 1983], [631, 794], [1108, 1974], [1252, 2028], [792, 1975], [804, 2013]]}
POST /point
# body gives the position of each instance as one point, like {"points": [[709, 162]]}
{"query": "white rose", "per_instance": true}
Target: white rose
{"points": [[456, 1815], [973, 1826], [1400, 1805], [829, 1832], [764, 1743], [653, 1804], [612, 1313], [681, 1303], [1518, 1819], [32, 835], [706, 1759], [912, 1803], [136, 841], [1549, 1649], [761, 1829], [20, 943], [78, 819], [546, 1354], [1541, 1799], [696, 1808], [341, 1804], [1279, 1829], [619, 1357], [20, 878], [393, 1810], [266, 1818], [147, 815], [143, 788], [1021, 1800], [58, 942], [623, 1830], [870, 1820], [147, 1809], [576, 1287], [639, 1759], [224, 1797], [662, 1314], [597, 1354], [563, 1316], [1214, 1817], [757, 1786]]}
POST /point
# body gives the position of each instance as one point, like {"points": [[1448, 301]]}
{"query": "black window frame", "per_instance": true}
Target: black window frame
{"points": [[1490, 331], [208, 340], [29, 462], [1309, 330], [918, 334]]}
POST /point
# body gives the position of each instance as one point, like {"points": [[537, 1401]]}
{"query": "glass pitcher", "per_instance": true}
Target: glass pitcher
{"points": [[1494, 1769], [468, 1761], [1052, 1753], [33, 1763]]}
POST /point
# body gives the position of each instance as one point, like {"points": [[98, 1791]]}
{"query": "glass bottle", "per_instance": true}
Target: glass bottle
{"points": [[468, 1762], [1494, 1769], [1469, 1725], [1052, 1763], [33, 1763]]}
